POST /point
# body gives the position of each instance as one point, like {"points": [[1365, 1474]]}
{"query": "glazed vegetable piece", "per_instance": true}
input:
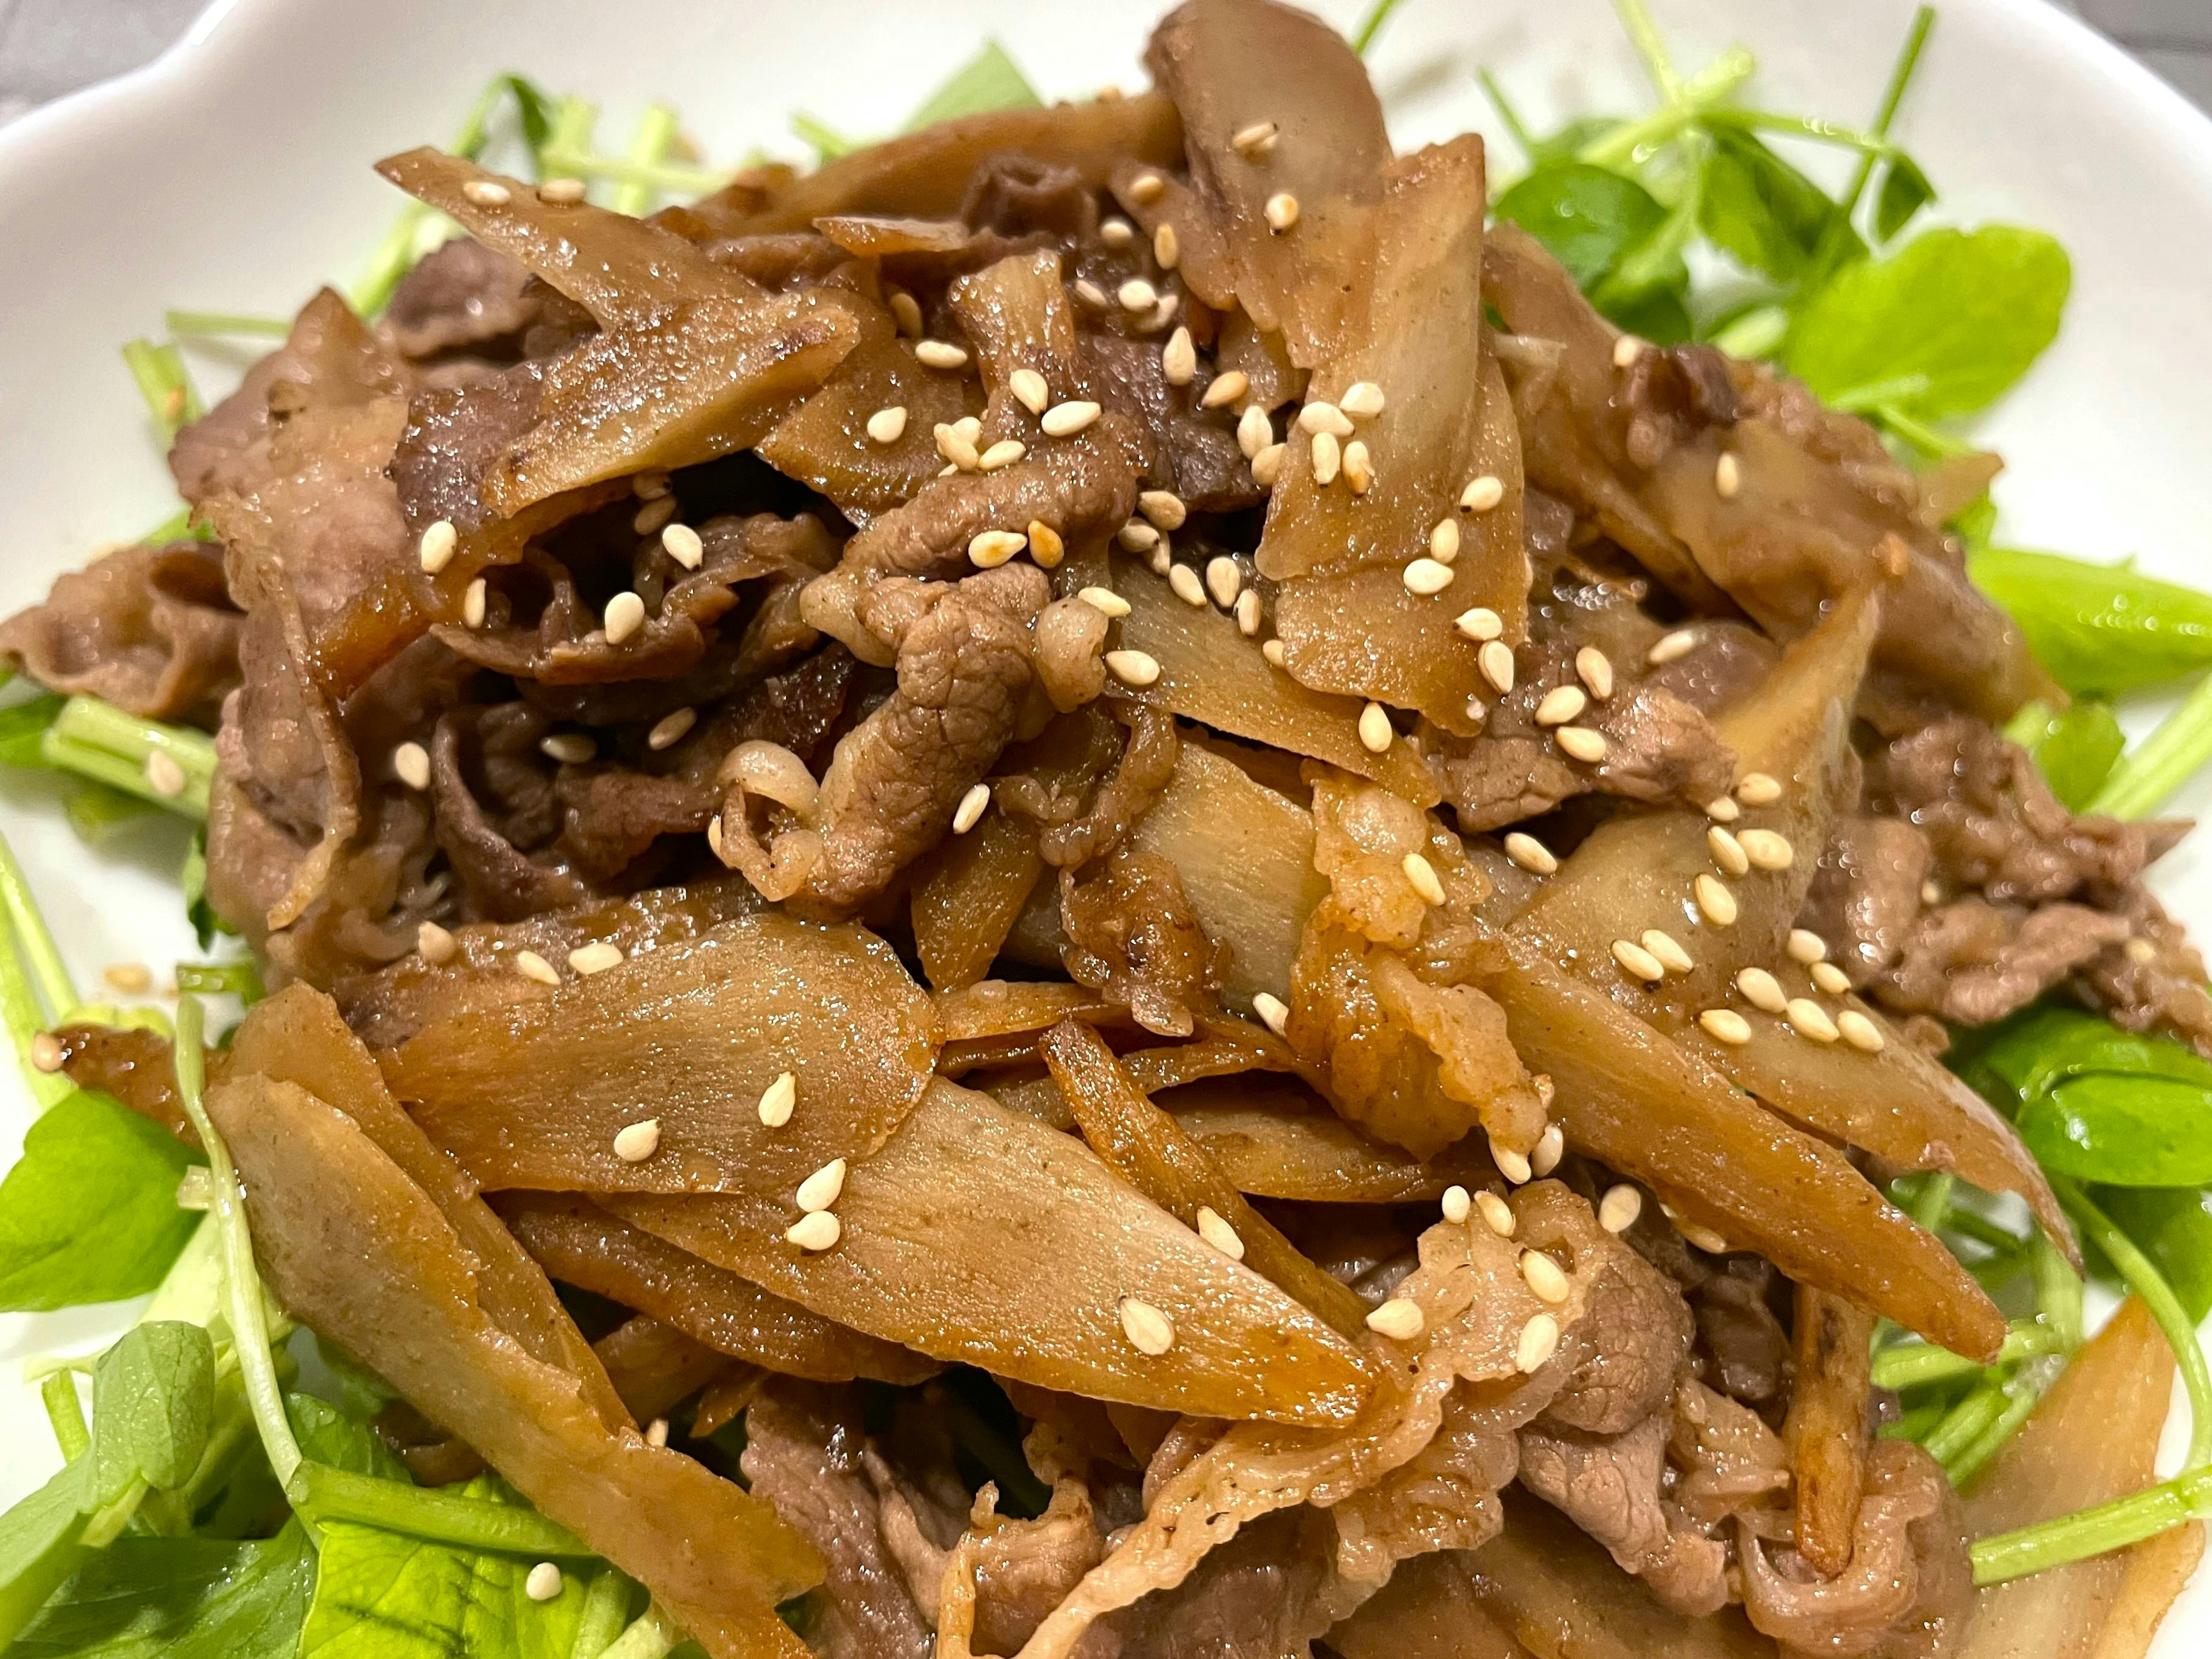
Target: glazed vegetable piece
{"points": [[967, 896], [981, 1236], [580, 1244], [826, 442], [396, 1285], [696, 1041], [1151, 1150], [1274, 1138], [1826, 1428]]}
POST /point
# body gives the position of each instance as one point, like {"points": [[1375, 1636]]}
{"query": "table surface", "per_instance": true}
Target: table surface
{"points": [[49, 47]]}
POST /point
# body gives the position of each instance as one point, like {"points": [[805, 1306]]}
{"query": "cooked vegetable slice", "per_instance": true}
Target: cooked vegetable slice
{"points": [[1827, 1425], [968, 895], [1274, 1138]]}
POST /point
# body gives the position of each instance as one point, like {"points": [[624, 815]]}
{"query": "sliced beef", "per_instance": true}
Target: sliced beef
{"points": [[150, 628], [1266, 1593], [1611, 1486], [1024, 1569], [461, 298], [1865, 896], [1974, 961], [2155, 981], [1745, 1351], [1133, 937]]}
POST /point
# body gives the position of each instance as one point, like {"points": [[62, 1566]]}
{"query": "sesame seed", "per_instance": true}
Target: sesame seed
{"points": [[1726, 1025], [411, 762], [1496, 661], [1133, 668], [625, 615], [906, 312], [595, 957], [1187, 586], [1321, 415], [1376, 731], [434, 944], [1359, 467], [1091, 294], [1561, 704], [1762, 990], [1671, 648], [994, 548], [1423, 875], [1482, 494], [1116, 231], [1618, 1210], [1273, 651], [669, 728], [1161, 559], [972, 805], [476, 599], [1253, 142], [486, 193], [1163, 507], [1029, 388], [1479, 623], [1179, 359], [2140, 951], [1138, 536], [1704, 1237], [1149, 1330], [818, 1231], [131, 978], [1248, 613], [1722, 808], [1268, 465], [1225, 388], [1146, 188], [1809, 1018], [1224, 579], [167, 777], [1513, 1165], [1426, 577], [1363, 400], [1716, 903], [1281, 211], [1637, 961], [1167, 247], [888, 426], [1758, 789], [1215, 1230], [1328, 458], [1807, 946], [657, 511], [1163, 315], [1275, 1014], [1444, 541], [435, 550], [1767, 849], [821, 1189], [1727, 852], [569, 748], [1595, 670], [562, 193], [530, 965], [1859, 1031], [1497, 1214], [1137, 294], [1105, 601], [778, 1099], [636, 1142], [1065, 420], [1531, 854], [1045, 544], [682, 544], [1728, 476], [1832, 979], [1580, 743], [1005, 452], [544, 1583], [1626, 350], [940, 354], [1930, 893], [1398, 1319], [1663, 945], [1539, 1340], [1551, 1147], [656, 1433], [46, 1052], [1542, 1275], [649, 485], [957, 446]]}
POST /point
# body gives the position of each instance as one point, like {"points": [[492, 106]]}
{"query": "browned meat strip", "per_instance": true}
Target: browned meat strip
{"points": [[1132, 938], [150, 628], [462, 298], [1610, 1486], [1974, 962], [2155, 981], [1865, 897]]}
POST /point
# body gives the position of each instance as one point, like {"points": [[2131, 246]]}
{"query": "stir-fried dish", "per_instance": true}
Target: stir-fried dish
{"points": [[1128, 879]]}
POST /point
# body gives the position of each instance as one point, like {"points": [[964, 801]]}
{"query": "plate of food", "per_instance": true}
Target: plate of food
{"points": [[1199, 832]]}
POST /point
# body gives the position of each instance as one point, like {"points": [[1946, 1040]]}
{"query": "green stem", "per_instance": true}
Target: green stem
{"points": [[2090, 1532], [2142, 1276], [1923, 437], [66, 1413], [1912, 1365], [666, 178], [34, 940], [324, 1494], [1706, 89], [1757, 333], [1507, 113], [226, 322], [606, 1610], [1965, 1423], [1377, 15], [2150, 772], [112, 747], [1643, 32], [1803, 126], [652, 1635], [170, 399], [1893, 95], [2023, 1396], [656, 132]]}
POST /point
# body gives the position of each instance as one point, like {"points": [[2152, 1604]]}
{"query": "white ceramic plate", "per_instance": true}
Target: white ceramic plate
{"points": [[232, 174]]}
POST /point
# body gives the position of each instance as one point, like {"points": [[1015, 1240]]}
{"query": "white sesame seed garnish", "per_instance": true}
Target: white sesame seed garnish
{"points": [[1167, 246], [1594, 669], [1163, 507], [1932, 893], [1145, 189], [1225, 388], [1715, 902], [1767, 849], [1045, 545], [625, 615], [957, 446], [994, 548], [167, 777], [682, 544], [1758, 789], [1273, 651], [817, 1232], [1363, 400], [1513, 1165], [1275, 1014], [1637, 961], [1663, 945], [131, 978], [1253, 142], [1444, 541], [475, 600], [1704, 1237], [888, 426], [1859, 1031], [1479, 623], [1321, 415], [1376, 731], [1248, 609], [569, 748], [1727, 852], [649, 485], [487, 193], [778, 1099], [669, 728], [1423, 875], [434, 944], [1539, 1340], [1618, 1210], [1832, 979], [1224, 580], [1005, 452], [1581, 742], [410, 761], [656, 1433], [1138, 536], [562, 193], [530, 965], [1179, 359], [595, 957], [1458, 1204], [1105, 601], [1725, 1025], [1551, 1147], [1805, 945], [1722, 808], [1728, 476], [657, 511], [1671, 648], [1531, 854], [1268, 465], [636, 1142], [1214, 1228], [1496, 662], [1426, 577], [1161, 559], [1116, 231], [906, 312], [1281, 211], [1149, 1330], [1133, 668], [940, 354], [1497, 1214], [1400, 1319], [1560, 704], [46, 1054], [435, 550], [1065, 420], [1542, 1275], [543, 1583], [972, 805], [1359, 467], [1482, 494], [1327, 456], [1185, 583], [1137, 294], [1626, 350], [821, 1188], [1809, 1019], [1762, 990], [1091, 295]]}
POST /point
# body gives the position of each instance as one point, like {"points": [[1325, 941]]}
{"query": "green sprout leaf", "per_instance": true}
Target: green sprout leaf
{"points": [[2076, 750], [1771, 216], [989, 80], [1905, 192], [2098, 1103], [179, 1598], [153, 1400], [1589, 216], [2099, 628]]}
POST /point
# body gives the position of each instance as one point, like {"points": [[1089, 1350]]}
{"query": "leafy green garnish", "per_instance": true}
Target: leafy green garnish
{"points": [[179, 1598], [2097, 627], [153, 1403], [1771, 216], [2145, 778], [89, 1214], [989, 80], [2173, 1225], [170, 399], [2076, 749]]}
